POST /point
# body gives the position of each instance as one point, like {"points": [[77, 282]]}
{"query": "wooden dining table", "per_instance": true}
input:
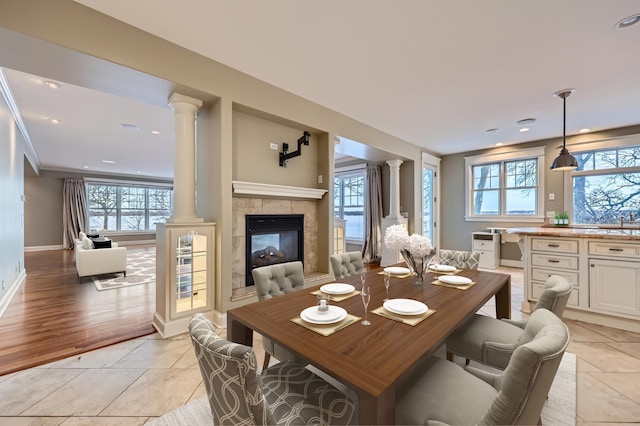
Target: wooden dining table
{"points": [[372, 360]]}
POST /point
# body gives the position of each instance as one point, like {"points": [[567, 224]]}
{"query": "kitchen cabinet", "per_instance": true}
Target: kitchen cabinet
{"points": [[488, 245]]}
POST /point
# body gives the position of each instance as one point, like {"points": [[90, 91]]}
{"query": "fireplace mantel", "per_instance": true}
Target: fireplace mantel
{"points": [[268, 190]]}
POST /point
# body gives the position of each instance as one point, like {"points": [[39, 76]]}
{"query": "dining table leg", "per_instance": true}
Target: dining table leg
{"points": [[238, 332], [503, 300], [377, 411]]}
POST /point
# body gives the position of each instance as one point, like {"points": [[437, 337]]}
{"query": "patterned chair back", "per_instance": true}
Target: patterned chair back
{"points": [[346, 264], [230, 377], [459, 259]]}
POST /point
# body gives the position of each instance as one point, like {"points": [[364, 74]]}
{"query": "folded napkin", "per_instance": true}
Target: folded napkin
{"points": [[336, 297], [406, 319], [459, 287], [327, 329]]}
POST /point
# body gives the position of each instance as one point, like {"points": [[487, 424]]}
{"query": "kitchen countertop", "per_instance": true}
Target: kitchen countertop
{"points": [[579, 232]]}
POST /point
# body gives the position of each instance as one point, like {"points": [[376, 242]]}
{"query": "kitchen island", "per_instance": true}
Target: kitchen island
{"points": [[603, 264]]}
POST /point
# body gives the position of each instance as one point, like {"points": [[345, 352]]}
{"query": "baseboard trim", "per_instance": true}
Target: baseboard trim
{"points": [[43, 248], [511, 263], [13, 289]]}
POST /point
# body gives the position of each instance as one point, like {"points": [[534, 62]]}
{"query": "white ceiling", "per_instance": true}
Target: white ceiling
{"points": [[435, 73]]}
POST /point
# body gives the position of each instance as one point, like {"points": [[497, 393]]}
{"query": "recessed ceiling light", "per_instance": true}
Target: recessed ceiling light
{"points": [[524, 129], [138, 172], [155, 132], [128, 126], [499, 144], [526, 121], [54, 120], [86, 167], [492, 131], [108, 161], [585, 130], [51, 84], [628, 21]]}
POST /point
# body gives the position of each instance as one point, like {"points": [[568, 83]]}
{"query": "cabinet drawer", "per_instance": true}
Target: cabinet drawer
{"points": [[605, 248], [538, 288], [483, 245], [559, 245], [538, 274], [554, 261]]}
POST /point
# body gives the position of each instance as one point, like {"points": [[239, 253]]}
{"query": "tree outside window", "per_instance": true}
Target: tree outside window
{"points": [[505, 186], [606, 185], [127, 208]]}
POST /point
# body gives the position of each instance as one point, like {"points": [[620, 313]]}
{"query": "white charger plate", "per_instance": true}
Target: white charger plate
{"points": [[397, 270], [335, 314], [405, 306], [454, 279], [442, 268], [337, 288]]}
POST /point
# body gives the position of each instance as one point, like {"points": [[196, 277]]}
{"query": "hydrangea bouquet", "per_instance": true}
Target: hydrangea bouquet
{"points": [[416, 250]]}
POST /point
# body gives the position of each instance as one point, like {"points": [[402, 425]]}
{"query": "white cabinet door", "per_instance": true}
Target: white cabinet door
{"points": [[614, 286]]}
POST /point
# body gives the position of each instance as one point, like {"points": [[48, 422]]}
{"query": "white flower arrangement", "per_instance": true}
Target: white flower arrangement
{"points": [[397, 238]]}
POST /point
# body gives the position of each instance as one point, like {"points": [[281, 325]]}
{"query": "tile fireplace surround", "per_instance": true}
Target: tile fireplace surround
{"points": [[255, 205]]}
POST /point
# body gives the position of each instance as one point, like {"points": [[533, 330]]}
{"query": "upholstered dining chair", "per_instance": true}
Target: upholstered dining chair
{"points": [[285, 394], [442, 392], [346, 264], [272, 281], [459, 259], [491, 341]]}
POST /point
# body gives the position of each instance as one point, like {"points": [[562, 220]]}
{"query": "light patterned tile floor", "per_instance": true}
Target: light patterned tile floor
{"points": [[132, 382]]}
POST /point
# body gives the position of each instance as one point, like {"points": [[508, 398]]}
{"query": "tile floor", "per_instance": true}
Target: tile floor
{"points": [[134, 381]]}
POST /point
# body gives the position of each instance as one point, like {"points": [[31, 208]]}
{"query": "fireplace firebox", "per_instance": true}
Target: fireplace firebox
{"points": [[271, 239]]}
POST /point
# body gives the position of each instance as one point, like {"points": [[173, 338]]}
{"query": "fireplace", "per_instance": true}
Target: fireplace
{"points": [[271, 239]]}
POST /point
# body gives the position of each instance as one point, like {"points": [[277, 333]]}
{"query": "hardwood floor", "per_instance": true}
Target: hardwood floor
{"points": [[55, 315]]}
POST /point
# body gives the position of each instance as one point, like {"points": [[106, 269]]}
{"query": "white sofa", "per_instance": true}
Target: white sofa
{"points": [[91, 261]]}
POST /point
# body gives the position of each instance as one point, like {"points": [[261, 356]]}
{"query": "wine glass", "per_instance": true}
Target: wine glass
{"points": [[363, 277], [387, 281], [366, 297]]}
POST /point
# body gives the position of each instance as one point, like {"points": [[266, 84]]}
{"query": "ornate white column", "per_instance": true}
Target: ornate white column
{"points": [[394, 218], [184, 168]]}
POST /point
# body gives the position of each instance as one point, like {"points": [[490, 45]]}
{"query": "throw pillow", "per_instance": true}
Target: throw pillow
{"points": [[87, 244], [101, 243], [82, 235]]}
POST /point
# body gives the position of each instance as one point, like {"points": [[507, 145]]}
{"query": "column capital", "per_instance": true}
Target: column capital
{"points": [[184, 103], [394, 163]]}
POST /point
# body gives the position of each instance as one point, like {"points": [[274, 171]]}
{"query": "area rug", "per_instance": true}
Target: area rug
{"points": [[141, 269], [558, 410]]}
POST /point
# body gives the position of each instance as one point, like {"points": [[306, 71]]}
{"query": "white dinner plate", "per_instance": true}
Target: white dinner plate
{"points": [[337, 288], [312, 315], [454, 279], [405, 306], [442, 268], [397, 270]]}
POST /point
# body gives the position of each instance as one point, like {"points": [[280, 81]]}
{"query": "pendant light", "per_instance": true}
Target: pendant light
{"points": [[564, 161]]}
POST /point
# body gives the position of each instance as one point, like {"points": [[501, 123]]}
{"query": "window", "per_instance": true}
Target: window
{"points": [[606, 185], [506, 186], [113, 206], [348, 202]]}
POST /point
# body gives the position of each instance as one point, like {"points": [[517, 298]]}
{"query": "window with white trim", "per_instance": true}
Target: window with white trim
{"points": [[606, 185], [348, 200], [506, 186], [118, 206]]}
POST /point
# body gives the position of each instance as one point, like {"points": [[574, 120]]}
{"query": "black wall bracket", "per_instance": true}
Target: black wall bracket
{"points": [[284, 155]]}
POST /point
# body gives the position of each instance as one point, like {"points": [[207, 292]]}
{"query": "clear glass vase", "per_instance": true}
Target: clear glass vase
{"points": [[418, 265]]}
